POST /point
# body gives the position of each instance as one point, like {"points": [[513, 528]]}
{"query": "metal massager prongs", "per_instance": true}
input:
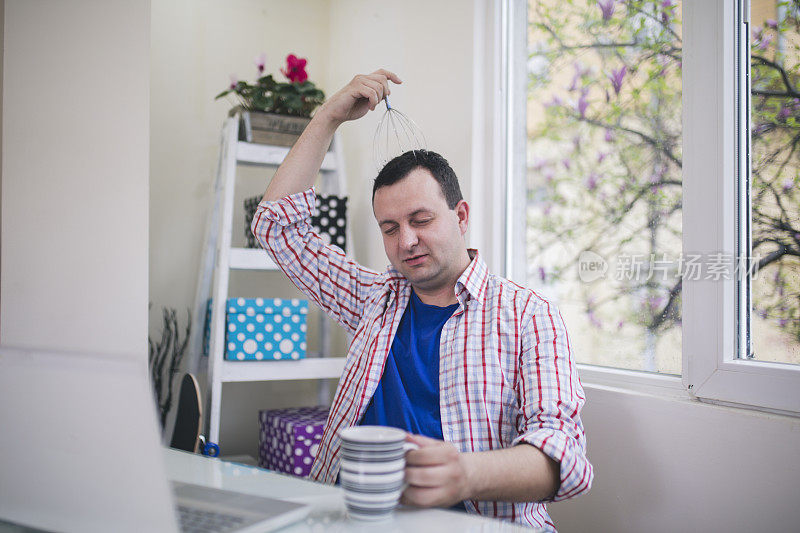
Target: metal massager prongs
{"points": [[395, 135]]}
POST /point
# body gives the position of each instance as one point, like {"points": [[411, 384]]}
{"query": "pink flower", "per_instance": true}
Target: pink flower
{"points": [[234, 80], [260, 62], [295, 69], [606, 8], [616, 78]]}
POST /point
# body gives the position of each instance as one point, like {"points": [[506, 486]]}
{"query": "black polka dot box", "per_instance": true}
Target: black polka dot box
{"points": [[263, 329], [289, 438], [330, 221]]}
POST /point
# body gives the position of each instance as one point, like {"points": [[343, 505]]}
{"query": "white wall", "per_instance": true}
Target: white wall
{"points": [[75, 176], [679, 465]]}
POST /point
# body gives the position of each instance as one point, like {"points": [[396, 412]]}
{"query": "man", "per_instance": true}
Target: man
{"points": [[477, 365]]}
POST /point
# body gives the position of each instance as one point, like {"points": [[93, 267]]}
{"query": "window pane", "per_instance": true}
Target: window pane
{"points": [[604, 176], [775, 135]]}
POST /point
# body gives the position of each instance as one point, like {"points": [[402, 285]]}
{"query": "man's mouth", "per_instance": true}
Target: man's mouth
{"points": [[415, 260]]}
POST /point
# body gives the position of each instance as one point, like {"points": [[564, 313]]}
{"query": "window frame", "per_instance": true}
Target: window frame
{"points": [[711, 369]]}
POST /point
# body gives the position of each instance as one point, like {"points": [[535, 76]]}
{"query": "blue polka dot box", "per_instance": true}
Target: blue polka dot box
{"points": [[263, 329]]}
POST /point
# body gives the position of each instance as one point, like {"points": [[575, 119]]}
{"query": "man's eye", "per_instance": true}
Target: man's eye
{"points": [[422, 222], [390, 231]]}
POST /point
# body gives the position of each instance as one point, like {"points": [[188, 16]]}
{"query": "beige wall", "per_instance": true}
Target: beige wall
{"points": [[75, 151]]}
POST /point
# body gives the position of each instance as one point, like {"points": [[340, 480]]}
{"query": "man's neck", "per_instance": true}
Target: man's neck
{"points": [[440, 298], [445, 295]]}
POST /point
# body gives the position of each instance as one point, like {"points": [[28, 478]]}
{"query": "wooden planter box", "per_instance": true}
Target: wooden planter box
{"points": [[269, 128]]}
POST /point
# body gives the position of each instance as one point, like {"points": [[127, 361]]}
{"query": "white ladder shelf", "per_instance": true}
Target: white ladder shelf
{"points": [[219, 259]]}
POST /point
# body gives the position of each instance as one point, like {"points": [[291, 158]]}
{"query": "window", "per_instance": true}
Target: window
{"points": [[604, 179], [775, 165], [661, 188]]}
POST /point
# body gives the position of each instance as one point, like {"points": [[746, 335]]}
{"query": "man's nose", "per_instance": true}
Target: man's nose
{"points": [[408, 237]]}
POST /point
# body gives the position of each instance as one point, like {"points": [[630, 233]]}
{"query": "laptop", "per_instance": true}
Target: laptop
{"points": [[81, 452]]}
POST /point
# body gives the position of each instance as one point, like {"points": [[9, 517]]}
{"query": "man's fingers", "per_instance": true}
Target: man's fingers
{"points": [[376, 86], [389, 75], [423, 441], [424, 496], [428, 476], [431, 455], [370, 93]]}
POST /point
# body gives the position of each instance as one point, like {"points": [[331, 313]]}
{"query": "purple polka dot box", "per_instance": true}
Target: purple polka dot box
{"points": [[289, 438]]}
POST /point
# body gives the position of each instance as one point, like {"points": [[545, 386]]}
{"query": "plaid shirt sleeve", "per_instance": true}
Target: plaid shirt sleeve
{"points": [[551, 397], [338, 285]]}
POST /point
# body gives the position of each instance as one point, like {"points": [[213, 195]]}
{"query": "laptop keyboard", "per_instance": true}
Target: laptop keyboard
{"points": [[195, 520]]}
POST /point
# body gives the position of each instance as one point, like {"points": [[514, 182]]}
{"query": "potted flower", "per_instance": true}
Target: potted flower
{"points": [[274, 112]]}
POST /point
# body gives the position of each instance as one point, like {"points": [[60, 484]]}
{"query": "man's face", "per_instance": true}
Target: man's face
{"points": [[422, 237]]}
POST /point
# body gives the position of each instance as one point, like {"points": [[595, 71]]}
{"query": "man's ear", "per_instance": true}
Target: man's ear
{"points": [[462, 212]]}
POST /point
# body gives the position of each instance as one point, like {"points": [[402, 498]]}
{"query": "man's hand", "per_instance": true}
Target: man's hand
{"points": [[439, 475], [362, 94], [299, 169], [436, 474]]}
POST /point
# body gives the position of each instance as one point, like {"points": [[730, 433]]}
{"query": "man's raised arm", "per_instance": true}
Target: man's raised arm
{"points": [[299, 170]]}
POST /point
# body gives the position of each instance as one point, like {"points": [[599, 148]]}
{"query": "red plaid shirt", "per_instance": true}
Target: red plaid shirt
{"points": [[506, 371]]}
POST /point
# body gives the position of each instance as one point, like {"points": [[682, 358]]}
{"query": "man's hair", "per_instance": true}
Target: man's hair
{"points": [[402, 165]]}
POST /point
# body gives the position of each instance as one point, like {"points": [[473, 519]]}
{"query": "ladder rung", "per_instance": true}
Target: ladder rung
{"points": [[311, 368], [250, 259], [262, 154]]}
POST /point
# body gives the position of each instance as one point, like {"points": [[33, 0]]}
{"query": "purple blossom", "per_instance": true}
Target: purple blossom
{"points": [[592, 181], [567, 163], [555, 101], [593, 320], [784, 113], [620, 324], [606, 8], [234, 80], [547, 208], [654, 302], [765, 42], [601, 156], [542, 274], [788, 183], [609, 136], [261, 60], [616, 78], [772, 23], [583, 103], [666, 4], [782, 322], [580, 72]]}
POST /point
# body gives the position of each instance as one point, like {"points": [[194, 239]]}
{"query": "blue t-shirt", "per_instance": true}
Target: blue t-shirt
{"points": [[407, 396]]}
